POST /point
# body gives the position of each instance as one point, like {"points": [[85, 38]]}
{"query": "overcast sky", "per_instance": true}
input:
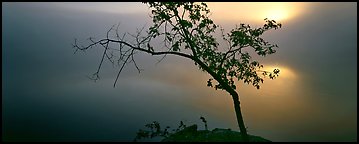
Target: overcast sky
{"points": [[47, 96]]}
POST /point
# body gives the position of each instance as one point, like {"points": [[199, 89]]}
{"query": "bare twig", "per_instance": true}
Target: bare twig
{"points": [[125, 51], [119, 72]]}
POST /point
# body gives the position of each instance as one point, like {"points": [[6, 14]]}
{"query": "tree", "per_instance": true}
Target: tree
{"points": [[187, 31]]}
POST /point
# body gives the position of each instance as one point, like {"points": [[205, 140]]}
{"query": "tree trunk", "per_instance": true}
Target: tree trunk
{"points": [[231, 91], [240, 121]]}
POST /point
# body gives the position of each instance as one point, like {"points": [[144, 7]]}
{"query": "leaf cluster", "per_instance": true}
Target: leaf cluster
{"points": [[187, 26], [156, 131]]}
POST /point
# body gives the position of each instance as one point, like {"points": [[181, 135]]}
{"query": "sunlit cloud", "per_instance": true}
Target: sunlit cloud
{"points": [[256, 11]]}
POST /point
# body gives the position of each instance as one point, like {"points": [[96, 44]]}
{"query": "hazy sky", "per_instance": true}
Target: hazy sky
{"points": [[47, 96]]}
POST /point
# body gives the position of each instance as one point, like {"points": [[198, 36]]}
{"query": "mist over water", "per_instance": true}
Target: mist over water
{"points": [[47, 96]]}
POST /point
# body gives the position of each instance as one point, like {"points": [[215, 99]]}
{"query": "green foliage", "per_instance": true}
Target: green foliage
{"points": [[191, 134], [186, 25], [156, 131]]}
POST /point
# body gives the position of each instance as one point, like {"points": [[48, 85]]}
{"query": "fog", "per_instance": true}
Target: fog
{"points": [[47, 96]]}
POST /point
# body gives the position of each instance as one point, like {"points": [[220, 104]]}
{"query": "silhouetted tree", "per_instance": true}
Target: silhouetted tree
{"points": [[187, 31]]}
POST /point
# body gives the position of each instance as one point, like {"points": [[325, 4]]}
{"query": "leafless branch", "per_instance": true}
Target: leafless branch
{"points": [[118, 74], [125, 51]]}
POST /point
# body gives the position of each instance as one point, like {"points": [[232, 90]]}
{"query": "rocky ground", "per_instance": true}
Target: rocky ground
{"points": [[191, 134]]}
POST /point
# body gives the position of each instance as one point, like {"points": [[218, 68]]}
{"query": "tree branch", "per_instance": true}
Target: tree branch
{"points": [[105, 43]]}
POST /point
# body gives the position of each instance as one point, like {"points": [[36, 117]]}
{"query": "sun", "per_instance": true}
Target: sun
{"points": [[276, 14]]}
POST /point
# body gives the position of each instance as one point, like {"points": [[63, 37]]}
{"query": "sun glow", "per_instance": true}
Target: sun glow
{"points": [[285, 72], [255, 11], [276, 14]]}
